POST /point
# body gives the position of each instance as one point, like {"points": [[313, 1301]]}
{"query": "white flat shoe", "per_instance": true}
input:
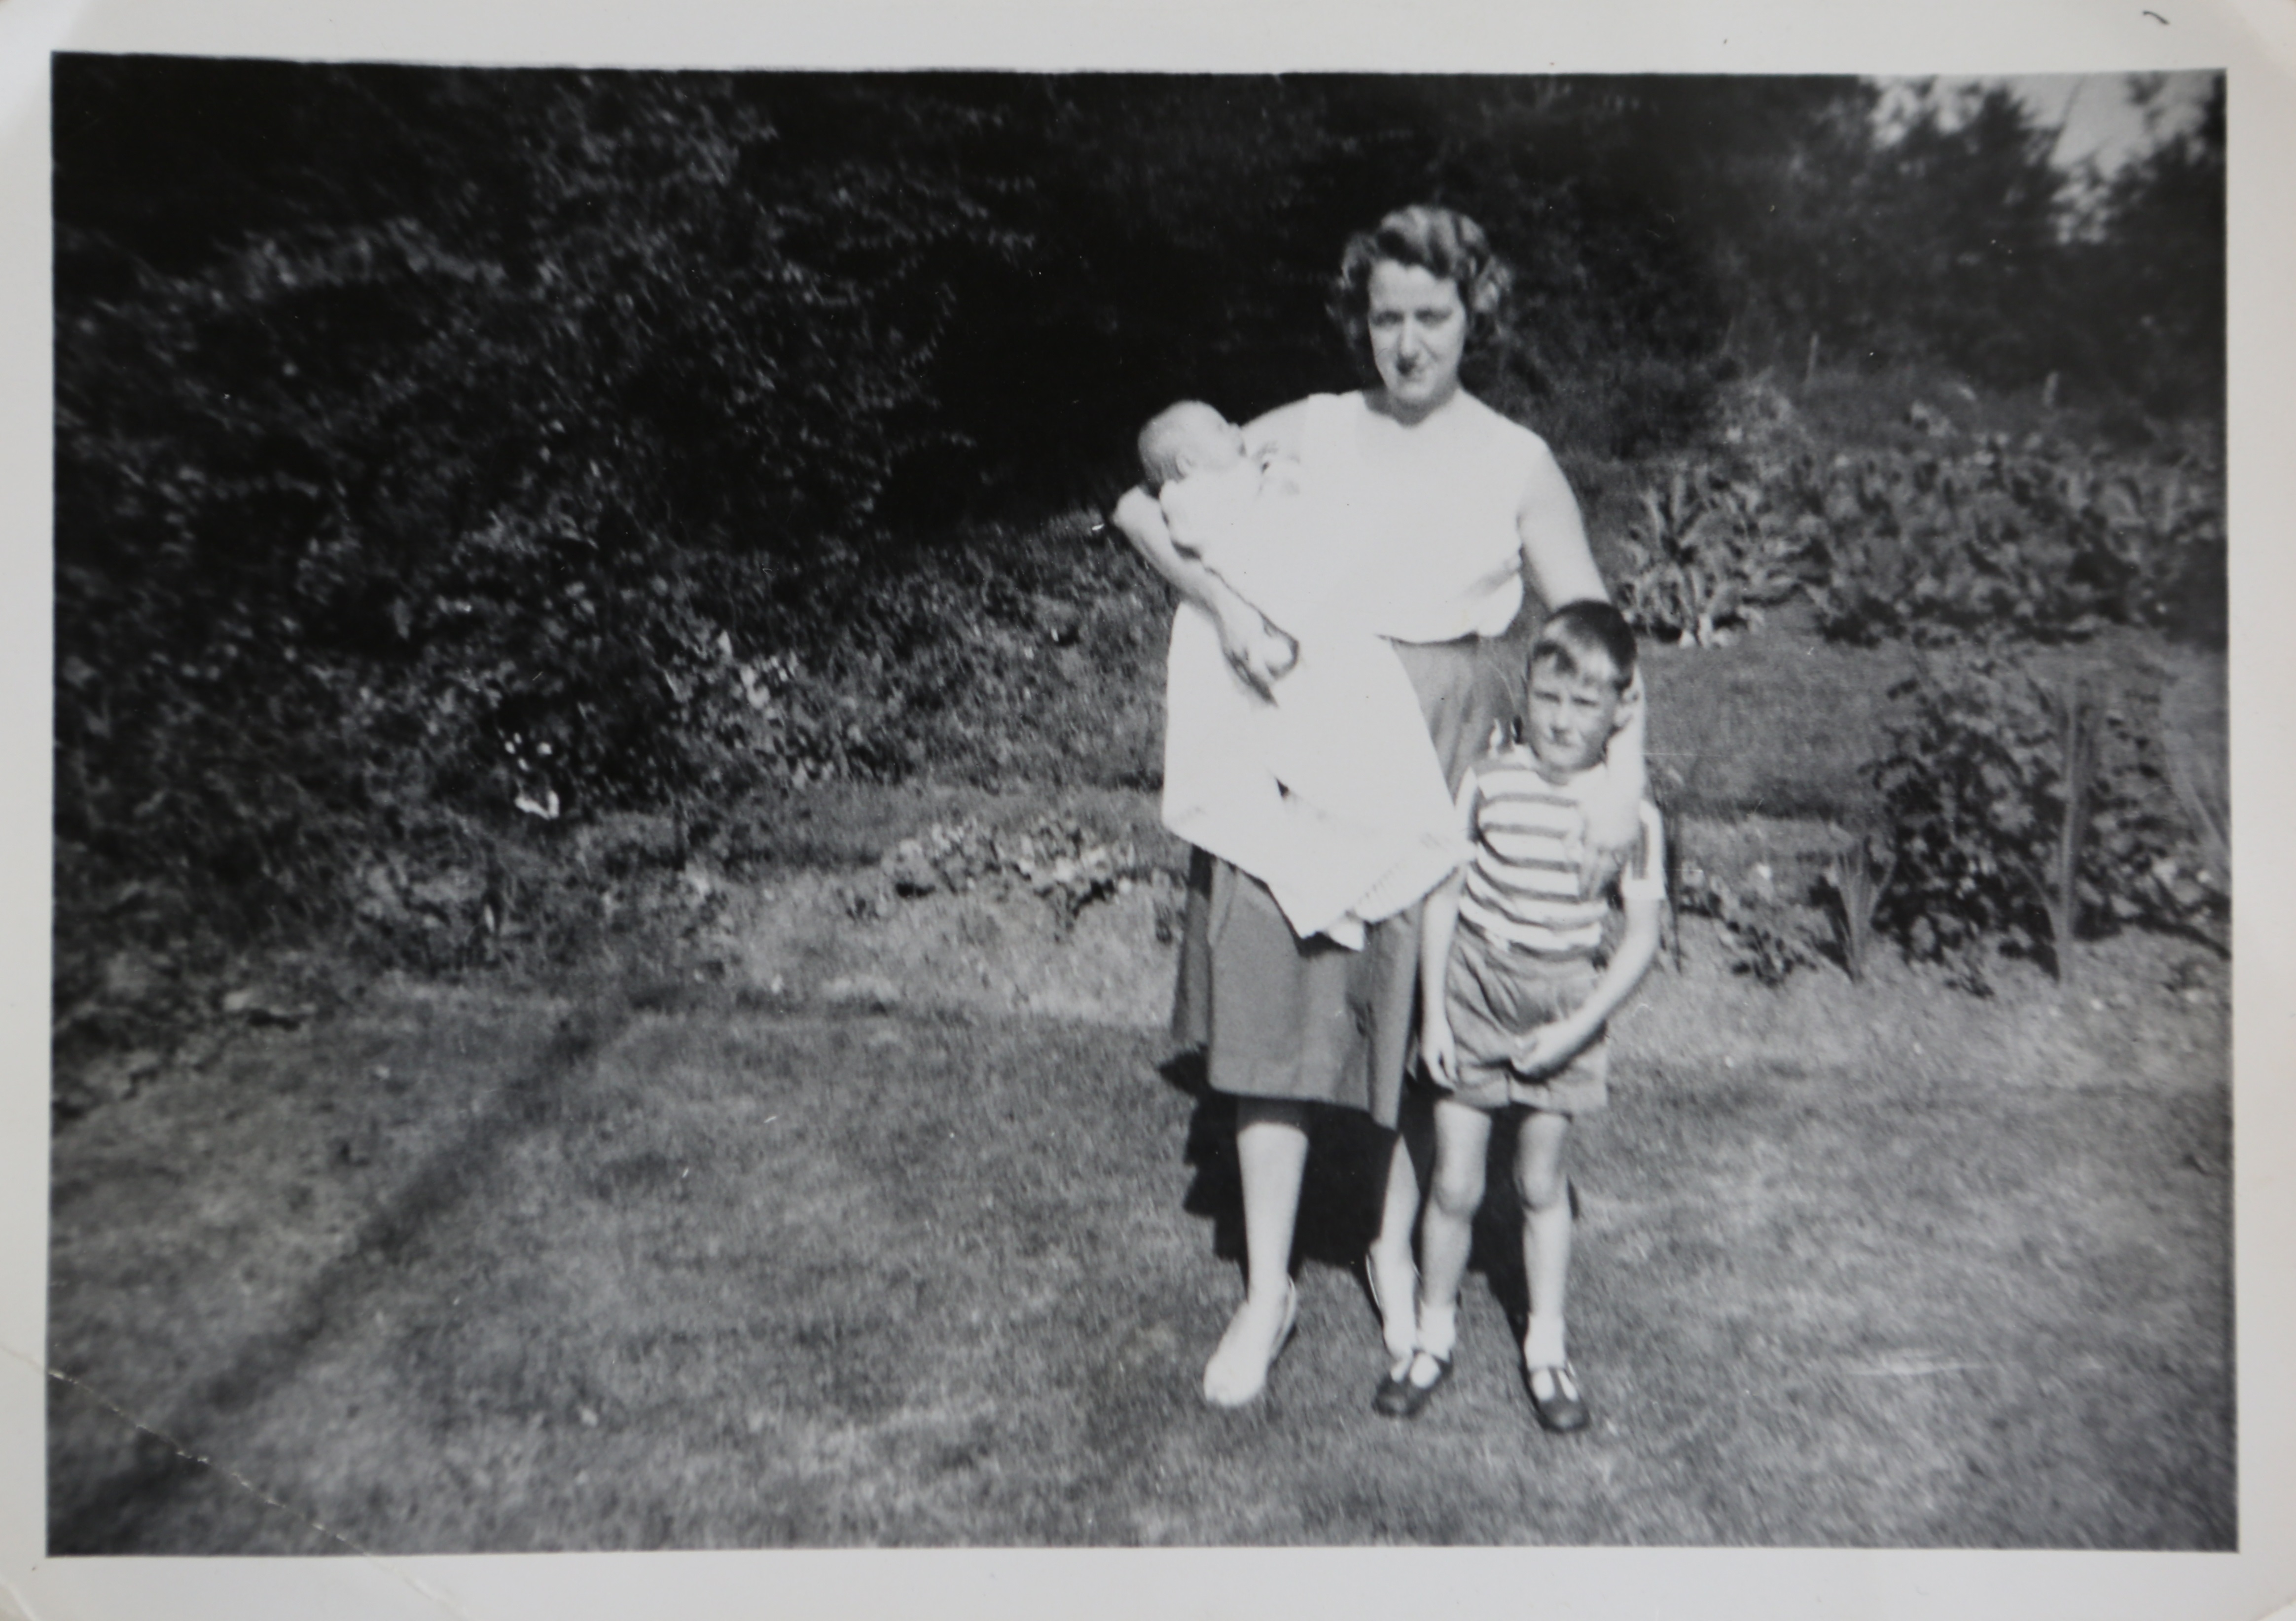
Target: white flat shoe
{"points": [[1237, 1374]]}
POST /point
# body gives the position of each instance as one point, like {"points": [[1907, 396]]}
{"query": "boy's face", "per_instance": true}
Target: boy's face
{"points": [[1569, 719]]}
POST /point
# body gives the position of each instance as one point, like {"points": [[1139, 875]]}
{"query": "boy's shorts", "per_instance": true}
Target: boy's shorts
{"points": [[1497, 995]]}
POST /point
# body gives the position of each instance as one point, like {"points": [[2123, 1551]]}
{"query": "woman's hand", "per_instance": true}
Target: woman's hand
{"points": [[1256, 650]]}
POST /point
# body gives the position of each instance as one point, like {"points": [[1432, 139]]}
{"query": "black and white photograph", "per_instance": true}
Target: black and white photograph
{"points": [[694, 905]]}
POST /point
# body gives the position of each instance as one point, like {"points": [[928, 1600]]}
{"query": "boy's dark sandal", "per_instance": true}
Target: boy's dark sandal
{"points": [[1400, 1397], [1565, 1410]]}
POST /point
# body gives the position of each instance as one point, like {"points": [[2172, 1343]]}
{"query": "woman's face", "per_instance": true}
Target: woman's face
{"points": [[1418, 329]]}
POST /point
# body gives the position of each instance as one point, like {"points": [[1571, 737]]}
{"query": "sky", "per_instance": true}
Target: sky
{"points": [[2101, 120], [2105, 122]]}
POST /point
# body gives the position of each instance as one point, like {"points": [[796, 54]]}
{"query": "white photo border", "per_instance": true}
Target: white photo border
{"points": [[2254, 41]]}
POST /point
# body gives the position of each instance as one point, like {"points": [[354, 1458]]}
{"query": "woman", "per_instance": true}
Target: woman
{"points": [[1446, 505]]}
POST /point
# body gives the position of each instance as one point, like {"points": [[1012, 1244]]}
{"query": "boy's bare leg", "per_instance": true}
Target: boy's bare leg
{"points": [[1271, 1151], [1546, 1195], [1446, 1231], [1394, 1281]]}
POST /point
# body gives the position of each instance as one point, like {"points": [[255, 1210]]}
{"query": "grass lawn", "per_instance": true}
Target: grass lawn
{"points": [[1783, 723], [659, 1266]]}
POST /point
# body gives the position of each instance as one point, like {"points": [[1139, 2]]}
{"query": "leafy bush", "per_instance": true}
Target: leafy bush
{"points": [[1767, 940], [2041, 543], [273, 782], [1998, 822], [1710, 550], [435, 473], [1058, 860]]}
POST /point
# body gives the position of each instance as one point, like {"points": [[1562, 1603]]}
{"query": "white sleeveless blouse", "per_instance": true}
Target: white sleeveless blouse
{"points": [[1435, 554]]}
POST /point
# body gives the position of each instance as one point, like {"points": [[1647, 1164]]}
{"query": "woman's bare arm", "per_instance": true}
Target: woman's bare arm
{"points": [[1562, 568], [1246, 636], [1553, 538]]}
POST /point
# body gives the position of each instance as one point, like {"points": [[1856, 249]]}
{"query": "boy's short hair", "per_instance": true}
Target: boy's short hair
{"points": [[1578, 634], [1166, 432]]}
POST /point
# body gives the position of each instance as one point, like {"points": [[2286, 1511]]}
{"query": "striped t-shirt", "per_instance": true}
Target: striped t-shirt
{"points": [[1524, 886]]}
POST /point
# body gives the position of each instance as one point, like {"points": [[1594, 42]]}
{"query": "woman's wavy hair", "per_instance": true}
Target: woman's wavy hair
{"points": [[1435, 239]]}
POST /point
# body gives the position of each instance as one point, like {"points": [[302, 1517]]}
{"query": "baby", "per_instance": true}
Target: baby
{"points": [[1325, 787], [1211, 489]]}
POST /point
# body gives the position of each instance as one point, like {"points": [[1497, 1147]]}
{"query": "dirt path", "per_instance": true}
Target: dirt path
{"points": [[862, 1247]]}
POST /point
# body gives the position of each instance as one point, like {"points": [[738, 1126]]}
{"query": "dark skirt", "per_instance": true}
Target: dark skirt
{"points": [[1310, 1021]]}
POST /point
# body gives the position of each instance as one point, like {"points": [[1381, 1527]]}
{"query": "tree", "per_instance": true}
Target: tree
{"points": [[2156, 263]]}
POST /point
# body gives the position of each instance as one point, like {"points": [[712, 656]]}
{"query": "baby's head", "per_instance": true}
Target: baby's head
{"points": [[1188, 438], [1582, 662]]}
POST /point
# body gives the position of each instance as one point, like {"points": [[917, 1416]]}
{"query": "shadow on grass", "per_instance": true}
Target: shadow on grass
{"points": [[116, 1512], [839, 1277], [1345, 1183]]}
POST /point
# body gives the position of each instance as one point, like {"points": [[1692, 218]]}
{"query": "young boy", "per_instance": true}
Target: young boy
{"points": [[1325, 787], [1514, 991]]}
